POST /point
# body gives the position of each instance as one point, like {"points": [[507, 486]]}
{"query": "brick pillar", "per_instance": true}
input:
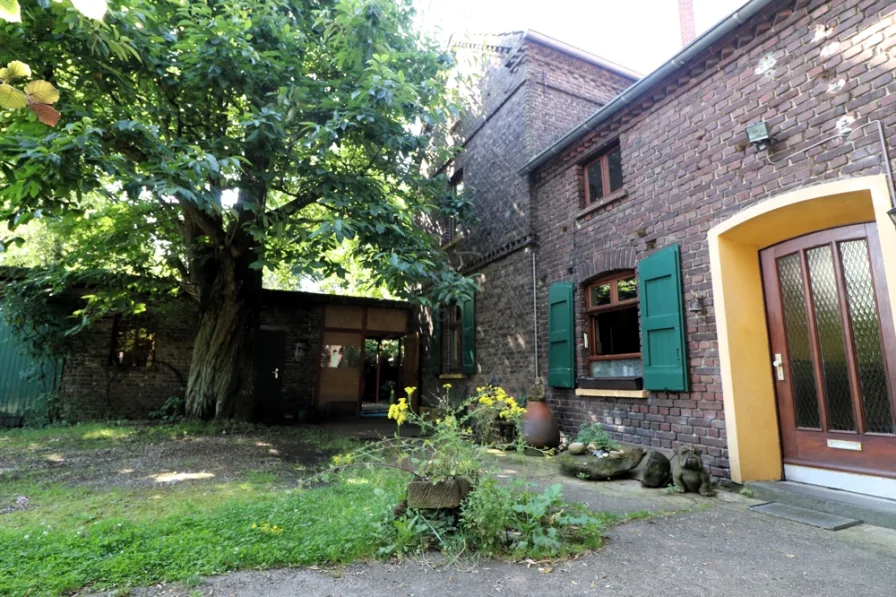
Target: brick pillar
{"points": [[686, 21]]}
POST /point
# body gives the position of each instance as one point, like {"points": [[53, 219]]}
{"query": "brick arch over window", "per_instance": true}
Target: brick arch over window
{"points": [[601, 262]]}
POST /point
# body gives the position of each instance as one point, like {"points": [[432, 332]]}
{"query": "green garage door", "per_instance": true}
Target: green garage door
{"points": [[21, 391]]}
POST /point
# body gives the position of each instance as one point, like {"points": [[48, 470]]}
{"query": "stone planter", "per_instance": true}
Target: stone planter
{"points": [[613, 466], [426, 495]]}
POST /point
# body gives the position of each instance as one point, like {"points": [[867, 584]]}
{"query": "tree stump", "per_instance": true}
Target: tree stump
{"points": [[426, 495]]}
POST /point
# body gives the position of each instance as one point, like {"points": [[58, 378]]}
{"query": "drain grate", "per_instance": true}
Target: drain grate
{"points": [[814, 518]]}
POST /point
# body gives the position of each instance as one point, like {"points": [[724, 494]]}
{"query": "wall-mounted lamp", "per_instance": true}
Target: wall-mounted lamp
{"points": [[892, 214], [757, 134], [695, 305]]}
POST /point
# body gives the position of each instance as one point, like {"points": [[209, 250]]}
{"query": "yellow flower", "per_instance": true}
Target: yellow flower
{"points": [[410, 391], [447, 386], [398, 412]]}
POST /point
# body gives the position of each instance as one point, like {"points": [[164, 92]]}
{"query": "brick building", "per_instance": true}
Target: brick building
{"points": [[318, 356], [532, 89], [695, 283]]}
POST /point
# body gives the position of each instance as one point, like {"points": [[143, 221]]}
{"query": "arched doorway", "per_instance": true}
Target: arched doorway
{"points": [[748, 377]]}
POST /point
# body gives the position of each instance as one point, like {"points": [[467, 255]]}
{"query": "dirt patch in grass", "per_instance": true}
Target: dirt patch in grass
{"points": [[131, 457]]}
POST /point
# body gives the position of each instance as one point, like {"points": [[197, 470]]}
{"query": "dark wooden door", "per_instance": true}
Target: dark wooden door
{"points": [[832, 343], [268, 374]]}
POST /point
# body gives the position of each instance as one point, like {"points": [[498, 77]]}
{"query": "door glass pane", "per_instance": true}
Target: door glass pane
{"points": [[866, 332], [614, 165], [802, 373], [830, 335], [595, 181]]}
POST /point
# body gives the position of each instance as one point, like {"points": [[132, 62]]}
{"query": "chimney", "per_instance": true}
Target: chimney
{"points": [[686, 20]]}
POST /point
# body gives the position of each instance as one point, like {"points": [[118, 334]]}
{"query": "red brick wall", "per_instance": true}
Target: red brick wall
{"points": [[687, 167], [93, 388], [529, 97]]}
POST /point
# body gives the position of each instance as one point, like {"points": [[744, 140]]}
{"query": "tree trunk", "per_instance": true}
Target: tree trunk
{"points": [[222, 380], [222, 370]]}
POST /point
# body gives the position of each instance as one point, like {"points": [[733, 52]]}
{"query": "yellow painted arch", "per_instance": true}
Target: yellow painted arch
{"points": [[744, 357]]}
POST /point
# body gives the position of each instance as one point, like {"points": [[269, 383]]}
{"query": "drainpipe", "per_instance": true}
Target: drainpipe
{"points": [[535, 316]]}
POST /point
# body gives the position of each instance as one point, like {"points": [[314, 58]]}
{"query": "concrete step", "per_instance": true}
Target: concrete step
{"points": [[873, 510], [823, 520]]}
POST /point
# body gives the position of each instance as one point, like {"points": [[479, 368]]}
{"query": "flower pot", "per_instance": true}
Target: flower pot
{"points": [[539, 427]]}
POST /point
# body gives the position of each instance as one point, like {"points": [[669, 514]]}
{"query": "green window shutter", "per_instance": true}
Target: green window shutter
{"points": [[662, 322], [468, 335], [561, 332], [435, 342]]}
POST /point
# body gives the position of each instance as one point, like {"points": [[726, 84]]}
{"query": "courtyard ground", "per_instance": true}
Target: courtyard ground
{"points": [[175, 507]]}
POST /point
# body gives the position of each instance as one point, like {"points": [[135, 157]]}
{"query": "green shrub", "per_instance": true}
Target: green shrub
{"points": [[594, 433]]}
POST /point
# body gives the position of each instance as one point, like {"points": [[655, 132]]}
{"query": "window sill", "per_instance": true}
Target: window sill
{"points": [[611, 198], [452, 376], [613, 393]]}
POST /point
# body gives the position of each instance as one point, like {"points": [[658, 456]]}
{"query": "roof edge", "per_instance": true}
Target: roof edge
{"points": [[570, 50], [682, 58]]}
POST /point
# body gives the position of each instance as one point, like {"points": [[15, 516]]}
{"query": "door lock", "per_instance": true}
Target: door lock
{"points": [[778, 364]]}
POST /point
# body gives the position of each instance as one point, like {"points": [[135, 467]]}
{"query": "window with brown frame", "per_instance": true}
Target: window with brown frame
{"points": [[614, 341], [133, 345], [603, 176]]}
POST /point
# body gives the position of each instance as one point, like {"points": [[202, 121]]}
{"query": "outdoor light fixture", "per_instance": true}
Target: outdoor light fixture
{"points": [[892, 214], [757, 134]]}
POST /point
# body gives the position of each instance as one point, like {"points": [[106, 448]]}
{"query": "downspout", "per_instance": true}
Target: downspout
{"points": [[535, 316]]}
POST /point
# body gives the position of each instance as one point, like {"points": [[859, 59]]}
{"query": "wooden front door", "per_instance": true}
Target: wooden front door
{"points": [[833, 351]]}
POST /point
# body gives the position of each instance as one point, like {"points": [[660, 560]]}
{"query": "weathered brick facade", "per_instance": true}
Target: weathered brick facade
{"points": [[93, 388], [809, 69], [531, 94]]}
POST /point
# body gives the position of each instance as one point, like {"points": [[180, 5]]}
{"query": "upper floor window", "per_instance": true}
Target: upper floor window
{"points": [[133, 345], [614, 340], [603, 176], [450, 228]]}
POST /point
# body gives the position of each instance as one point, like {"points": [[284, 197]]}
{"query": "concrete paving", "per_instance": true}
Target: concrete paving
{"points": [[691, 546]]}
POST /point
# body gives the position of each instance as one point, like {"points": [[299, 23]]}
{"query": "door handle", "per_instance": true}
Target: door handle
{"points": [[277, 373], [778, 364]]}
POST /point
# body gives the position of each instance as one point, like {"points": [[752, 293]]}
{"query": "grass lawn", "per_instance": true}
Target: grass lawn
{"points": [[118, 506]]}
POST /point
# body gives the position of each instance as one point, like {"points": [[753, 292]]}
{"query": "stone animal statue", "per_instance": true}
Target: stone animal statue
{"points": [[688, 472]]}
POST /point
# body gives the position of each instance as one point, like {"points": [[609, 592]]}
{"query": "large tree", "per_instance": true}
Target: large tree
{"points": [[204, 141]]}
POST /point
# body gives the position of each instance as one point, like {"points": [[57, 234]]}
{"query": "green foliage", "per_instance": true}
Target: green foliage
{"points": [[171, 410], [296, 130], [501, 520], [594, 433], [495, 519]]}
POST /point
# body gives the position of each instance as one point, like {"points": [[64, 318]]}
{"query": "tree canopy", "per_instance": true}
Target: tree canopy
{"points": [[203, 142]]}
